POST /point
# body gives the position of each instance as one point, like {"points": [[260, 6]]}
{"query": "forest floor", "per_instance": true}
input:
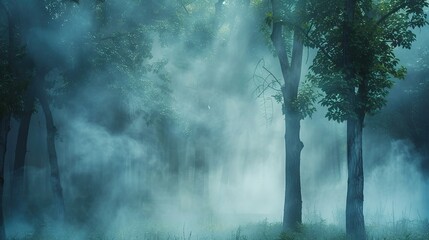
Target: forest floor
{"points": [[400, 230]]}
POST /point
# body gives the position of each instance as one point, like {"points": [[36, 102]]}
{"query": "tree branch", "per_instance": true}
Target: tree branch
{"points": [[266, 83], [322, 48], [390, 13], [306, 34], [184, 7]]}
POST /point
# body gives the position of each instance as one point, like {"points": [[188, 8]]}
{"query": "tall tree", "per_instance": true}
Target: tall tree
{"points": [[18, 190], [10, 92], [4, 115], [5, 126], [291, 71], [43, 14], [354, 68], [52, 153]]}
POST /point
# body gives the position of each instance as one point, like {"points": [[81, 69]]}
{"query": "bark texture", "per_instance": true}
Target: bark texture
{"points": [[6, 62], [57, 189], [5, 127], [355, 224], [18, 189]]}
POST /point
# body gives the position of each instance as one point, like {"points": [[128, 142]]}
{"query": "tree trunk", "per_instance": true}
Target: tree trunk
{"points": [[292, 216], [200, 171], [218, 7], [355, 224], [17, 195], [293, 200], [100, 11], [52, 153], [5, 57], [5, 127]]}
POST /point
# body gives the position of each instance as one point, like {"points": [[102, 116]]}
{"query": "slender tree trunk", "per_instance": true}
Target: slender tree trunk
{"points": [[218, 13], [292, 216], [355, 224], [218, 7], [17, 195], [200, 171], [5, 127], [52, 152], [293, 200], [100, 11], [5, 58]]}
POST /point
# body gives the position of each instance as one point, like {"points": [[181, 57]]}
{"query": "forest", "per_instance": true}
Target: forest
{"points": [[214, 119]]}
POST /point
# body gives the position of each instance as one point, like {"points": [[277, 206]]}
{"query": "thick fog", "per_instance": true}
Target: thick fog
{"points": [[182, 143]]}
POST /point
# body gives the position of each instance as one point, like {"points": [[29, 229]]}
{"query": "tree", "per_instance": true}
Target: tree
{"points": [[10, 93], [17, 194], [354, 68], [57, 189], [291, 71], [4, 117], [45, 14]]}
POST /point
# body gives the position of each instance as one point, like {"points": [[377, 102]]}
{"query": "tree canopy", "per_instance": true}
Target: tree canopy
{"points": [[377, 29]]}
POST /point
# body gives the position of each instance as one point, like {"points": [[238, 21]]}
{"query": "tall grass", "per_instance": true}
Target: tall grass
{"points": [[400, 230]]}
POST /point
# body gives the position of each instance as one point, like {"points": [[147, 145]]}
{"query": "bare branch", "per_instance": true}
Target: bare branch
{"points": [[272, 75], [270, 81]]}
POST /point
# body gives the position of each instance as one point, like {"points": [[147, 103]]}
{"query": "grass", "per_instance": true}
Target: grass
{"points": [[400, 230]]}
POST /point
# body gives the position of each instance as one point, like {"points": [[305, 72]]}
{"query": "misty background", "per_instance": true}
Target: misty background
{"points": [[159, 125]]}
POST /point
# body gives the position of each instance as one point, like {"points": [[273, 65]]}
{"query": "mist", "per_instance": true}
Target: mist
{"points": [[169, 137]]}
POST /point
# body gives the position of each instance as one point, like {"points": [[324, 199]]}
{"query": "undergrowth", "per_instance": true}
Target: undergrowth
{"points": [[400, 230]]}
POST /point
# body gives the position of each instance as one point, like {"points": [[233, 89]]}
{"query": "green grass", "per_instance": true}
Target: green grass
{"points": [[312, 231], [400, 230]]}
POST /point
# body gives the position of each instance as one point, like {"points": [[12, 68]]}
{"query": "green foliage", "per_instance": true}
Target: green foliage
{"points": [[11, 55], [118, 54], [269, 18], [278, 97], [306, 99], [401, 230], [377, 29], [126, 51], [10, 93]]}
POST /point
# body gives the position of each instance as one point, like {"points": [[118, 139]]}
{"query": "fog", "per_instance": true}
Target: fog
{"points": [[181, 143]]}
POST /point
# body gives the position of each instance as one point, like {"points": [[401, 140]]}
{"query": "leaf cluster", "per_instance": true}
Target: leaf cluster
{"points": [[11, 92], [307, 96], [11, 55], [377, 28]]}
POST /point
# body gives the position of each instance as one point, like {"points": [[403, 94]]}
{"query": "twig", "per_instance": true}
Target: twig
{"points": [[184, 7], [266, 83]]}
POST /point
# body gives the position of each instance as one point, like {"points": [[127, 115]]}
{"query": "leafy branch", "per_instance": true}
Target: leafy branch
{"points": [[306, 34]]}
